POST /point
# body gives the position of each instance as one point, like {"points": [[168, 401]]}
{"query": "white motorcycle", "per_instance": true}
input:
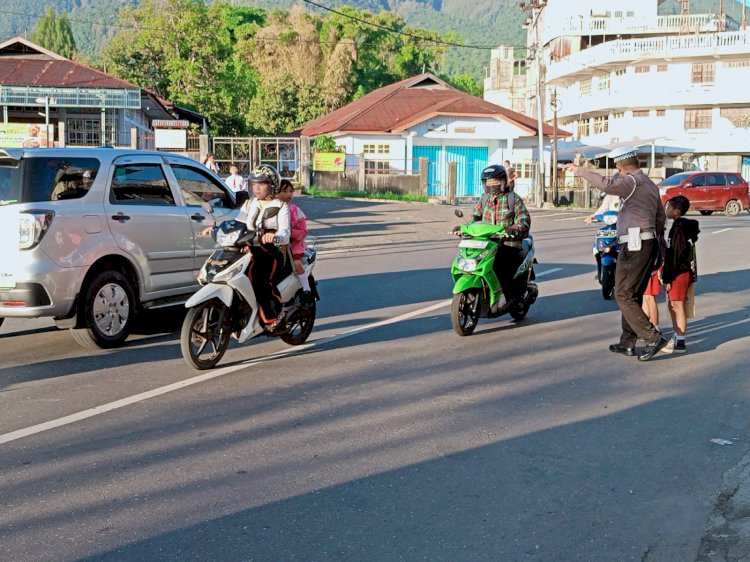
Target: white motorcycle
{"points": [[225, 306]]}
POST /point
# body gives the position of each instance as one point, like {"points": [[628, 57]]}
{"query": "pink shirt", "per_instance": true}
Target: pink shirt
{"points": [[298, 223]]}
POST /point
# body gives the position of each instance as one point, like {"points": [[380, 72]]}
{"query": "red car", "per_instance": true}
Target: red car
{"points": [[709, 191]]}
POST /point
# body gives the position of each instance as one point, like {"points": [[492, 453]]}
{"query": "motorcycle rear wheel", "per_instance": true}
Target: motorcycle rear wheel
{"points": [[300, 325], [205, 334], [465, 312]]}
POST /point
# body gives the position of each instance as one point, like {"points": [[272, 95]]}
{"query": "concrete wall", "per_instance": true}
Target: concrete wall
{"points": [[374, 183]]}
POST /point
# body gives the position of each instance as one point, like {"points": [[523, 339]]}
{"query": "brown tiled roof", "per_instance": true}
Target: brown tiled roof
{"points": [[398, 106], [22, 63]]}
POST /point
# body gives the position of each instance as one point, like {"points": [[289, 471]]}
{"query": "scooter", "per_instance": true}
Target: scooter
{"points": [[477, 291], [226, 307], [606, 250]]}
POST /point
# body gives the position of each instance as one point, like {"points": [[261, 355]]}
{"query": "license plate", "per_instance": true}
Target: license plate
{"points": [[476, 244]]}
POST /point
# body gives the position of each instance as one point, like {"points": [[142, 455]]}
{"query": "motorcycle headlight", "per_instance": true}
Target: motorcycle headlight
{"points": [[227, 239], [467, 264], [228, 273]]}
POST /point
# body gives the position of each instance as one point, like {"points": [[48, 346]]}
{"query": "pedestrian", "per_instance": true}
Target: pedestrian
{"points": [[510, 171], [210, 162], [680, 268], [640, 220], [234, 180]]}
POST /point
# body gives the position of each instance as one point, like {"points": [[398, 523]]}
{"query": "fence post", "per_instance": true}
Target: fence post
{"points": [[452, 176], [424, 175], [61, 133], [361, 177], [133, 137], [203, 147]]}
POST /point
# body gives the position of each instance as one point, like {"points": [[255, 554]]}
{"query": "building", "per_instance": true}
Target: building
{"points": [[424, 117], [624, 75], [49, 100]]}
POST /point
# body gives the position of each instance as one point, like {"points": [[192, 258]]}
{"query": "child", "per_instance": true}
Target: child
{"points": [[298, 222], [234, 180], [680, 269]]}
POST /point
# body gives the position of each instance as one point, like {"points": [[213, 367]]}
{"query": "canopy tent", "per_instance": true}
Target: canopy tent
{"points": [[567, 151]]}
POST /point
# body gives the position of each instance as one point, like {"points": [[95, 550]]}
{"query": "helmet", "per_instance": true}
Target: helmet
{"points": [[495, 171], [266, 173]]}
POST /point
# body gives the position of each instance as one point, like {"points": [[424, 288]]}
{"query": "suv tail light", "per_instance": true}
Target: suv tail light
{"points": [[33, 227]]}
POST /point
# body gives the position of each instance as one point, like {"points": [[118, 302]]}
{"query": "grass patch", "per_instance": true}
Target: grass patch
{"points": [[389, 195]]}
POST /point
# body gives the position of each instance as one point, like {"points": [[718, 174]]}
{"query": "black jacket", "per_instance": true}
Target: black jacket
{"points": [[680, 255]]}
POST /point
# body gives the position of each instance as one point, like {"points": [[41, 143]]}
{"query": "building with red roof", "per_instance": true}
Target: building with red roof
{"points": [[424, 117], [48, 99]]}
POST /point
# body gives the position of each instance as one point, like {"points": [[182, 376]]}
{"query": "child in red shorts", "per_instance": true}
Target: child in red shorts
{"points": [[680, 270]]}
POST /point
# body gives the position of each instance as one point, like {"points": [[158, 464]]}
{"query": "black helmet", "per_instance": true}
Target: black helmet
{"points": [[495, 171], [266, 173]]}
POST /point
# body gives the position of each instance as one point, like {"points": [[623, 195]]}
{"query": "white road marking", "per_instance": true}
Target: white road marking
{"points": [[117, 404], [546, 216], [582, 217], [722, 230]]}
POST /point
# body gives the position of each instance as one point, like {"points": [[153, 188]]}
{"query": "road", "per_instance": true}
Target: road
{"points": [[389, 437]]}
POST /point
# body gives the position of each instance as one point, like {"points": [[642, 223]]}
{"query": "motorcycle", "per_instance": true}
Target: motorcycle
{"points": [[477, 291], [225, 306], [606, 250]]}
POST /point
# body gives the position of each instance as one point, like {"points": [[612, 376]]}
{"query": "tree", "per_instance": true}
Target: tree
{"points": [[465, 83], [185, 51], [55, 34]]}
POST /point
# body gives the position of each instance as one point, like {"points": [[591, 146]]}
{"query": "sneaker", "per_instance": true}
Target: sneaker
{"points": [[679, 346], [669, 348], [652, 349]]}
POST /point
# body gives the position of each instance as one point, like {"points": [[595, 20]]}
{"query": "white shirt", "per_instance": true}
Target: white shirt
{"points": [[236, 183]]}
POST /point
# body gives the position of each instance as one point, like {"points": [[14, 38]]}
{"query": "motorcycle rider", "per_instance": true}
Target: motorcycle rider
{"points": [[501, 205], [272, 232]]}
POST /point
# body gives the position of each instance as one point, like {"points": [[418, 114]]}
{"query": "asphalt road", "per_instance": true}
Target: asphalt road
{"points": [[389, 437]]}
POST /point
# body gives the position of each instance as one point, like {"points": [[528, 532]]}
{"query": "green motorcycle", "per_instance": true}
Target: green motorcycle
{"points": [[477, 292]]}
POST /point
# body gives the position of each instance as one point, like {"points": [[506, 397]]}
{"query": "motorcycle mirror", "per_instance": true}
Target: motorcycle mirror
{"points": [[206, 206], [459, 213]]}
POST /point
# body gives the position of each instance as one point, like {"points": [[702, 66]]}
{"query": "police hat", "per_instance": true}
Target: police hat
{"points": [[623, 153]]}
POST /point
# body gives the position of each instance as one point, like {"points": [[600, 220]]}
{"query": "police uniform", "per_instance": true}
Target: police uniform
{"points": [[640, 208]]}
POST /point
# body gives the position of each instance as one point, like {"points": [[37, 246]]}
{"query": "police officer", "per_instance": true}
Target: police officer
{"points": [[500, 205], [640, 221]]}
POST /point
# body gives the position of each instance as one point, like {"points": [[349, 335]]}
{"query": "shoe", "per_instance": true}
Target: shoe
{"points": [[652, 349], [619, 348], [669, 348], [679, 346]]}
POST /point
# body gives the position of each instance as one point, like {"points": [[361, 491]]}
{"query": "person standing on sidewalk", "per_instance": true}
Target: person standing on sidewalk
{"points": [[641, 219]]}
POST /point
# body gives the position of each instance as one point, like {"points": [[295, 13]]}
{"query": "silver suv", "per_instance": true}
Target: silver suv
{"points": [[92, 236]]}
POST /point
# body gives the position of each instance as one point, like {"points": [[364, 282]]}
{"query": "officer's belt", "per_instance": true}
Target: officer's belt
{"points": [[644, 236]]}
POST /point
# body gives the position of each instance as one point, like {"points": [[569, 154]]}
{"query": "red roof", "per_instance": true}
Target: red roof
{"points": [[398, 106], [22, 63]]}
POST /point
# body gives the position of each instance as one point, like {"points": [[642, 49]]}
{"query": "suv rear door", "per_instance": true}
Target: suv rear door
{"points": [[149, 223], [717, 191]]}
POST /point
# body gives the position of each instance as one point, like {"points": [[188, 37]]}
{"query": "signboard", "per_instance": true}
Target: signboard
{"points": [[329, 161], [173, 139], [26, 135]]}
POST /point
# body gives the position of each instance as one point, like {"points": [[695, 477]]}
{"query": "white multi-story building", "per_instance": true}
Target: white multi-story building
{"points": [[675, 85]]}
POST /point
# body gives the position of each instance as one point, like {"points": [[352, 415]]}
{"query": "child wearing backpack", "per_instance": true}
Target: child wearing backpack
{"points": [[680, 269]]}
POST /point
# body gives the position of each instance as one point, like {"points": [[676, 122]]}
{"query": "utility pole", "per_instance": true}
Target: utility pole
{"points": [[535, 7], [555, 103]]}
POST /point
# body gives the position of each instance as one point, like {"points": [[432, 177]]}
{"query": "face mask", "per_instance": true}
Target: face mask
{"points": [[502, 187]]}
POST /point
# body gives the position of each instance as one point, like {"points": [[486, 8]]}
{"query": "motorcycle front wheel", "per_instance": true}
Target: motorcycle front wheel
{"points": [[465, 312], [205, 334], [608, 282]]}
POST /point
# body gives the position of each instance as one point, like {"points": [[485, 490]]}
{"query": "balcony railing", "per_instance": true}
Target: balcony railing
{"points": [[655, 48], [576, 25]]}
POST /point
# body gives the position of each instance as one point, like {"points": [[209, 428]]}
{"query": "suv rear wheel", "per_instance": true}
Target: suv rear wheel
{"points": [[733, 208], [106, 311]]}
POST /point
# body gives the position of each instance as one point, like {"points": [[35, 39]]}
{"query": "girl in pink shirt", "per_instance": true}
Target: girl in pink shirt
{"points": [[298, 223]]}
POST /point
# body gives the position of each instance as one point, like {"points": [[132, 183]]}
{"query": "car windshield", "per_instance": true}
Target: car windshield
{"points": [[39, 179], [673, 180]]}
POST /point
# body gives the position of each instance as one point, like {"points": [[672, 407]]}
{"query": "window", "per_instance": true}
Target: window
{"points": [[715, 179], [698, 181], [601, 124], [734, 111], [703, 73], [734, 179], [641, 113], [140, 184], [47, 179], [662, 67], [697, 119], [583, 128], [642, 69], [198, 187], [621, 72], [384, 149], [368, 148], [83, 132], [618, 14], [603, 83], [630, 14], [524, 170], [377, 167], [586, 86], [661, 112], [618, 115], [376, 148]]}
